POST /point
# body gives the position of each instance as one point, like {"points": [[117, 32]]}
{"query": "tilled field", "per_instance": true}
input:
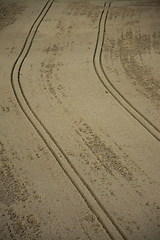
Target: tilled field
{"points": [[80, 125]]}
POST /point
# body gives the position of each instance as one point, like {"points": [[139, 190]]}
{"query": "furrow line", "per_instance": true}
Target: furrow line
{"points": [[99, 69], [89, 196]]}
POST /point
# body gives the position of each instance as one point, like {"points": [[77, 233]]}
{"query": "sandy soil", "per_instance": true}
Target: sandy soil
{"points": [[80, 128]]}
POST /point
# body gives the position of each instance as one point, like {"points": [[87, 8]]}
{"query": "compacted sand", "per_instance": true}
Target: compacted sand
{"points": [[80, 120]]}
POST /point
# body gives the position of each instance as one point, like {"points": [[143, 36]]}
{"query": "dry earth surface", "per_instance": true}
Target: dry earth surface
{"points": [[80, 110]]}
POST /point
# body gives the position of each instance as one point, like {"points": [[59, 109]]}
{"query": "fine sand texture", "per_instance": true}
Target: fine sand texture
{"points": [[80, 120]]}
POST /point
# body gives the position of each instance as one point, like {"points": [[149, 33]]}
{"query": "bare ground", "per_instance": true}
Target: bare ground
{"points": [[94, 165]]}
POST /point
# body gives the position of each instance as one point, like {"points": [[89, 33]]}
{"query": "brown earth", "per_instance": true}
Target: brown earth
{"points": [[75, 164]]}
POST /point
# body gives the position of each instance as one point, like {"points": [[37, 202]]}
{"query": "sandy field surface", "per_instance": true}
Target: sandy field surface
{"points": [[80, 120]]}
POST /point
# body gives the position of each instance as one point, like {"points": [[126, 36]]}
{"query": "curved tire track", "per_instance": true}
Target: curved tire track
{"points": [[92, 200], [98, 66]]}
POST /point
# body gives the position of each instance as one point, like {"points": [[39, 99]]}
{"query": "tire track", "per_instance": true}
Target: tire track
{"points": [[98, 66], [92, 200]]}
